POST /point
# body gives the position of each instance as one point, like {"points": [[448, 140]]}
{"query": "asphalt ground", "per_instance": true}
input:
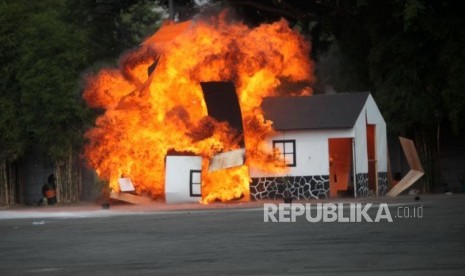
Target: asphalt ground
{"points": [[233, 239]]}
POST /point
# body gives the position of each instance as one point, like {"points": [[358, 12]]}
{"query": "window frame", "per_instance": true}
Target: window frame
{"points": [[191, 178], [288, 162]]}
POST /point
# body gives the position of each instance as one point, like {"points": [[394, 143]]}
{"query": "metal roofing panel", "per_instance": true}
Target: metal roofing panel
{"points": [[324, 111]]}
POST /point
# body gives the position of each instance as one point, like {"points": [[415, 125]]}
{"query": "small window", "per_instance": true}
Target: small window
{"points": [[195, 181], [285, 149]]}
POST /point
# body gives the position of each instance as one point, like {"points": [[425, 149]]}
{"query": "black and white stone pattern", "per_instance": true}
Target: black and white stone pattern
{"points": [[382, 183], [362, 185], [297, 187]]}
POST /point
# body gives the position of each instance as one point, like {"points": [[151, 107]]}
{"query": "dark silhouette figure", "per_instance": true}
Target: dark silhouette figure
{"points": [[49, 190]]}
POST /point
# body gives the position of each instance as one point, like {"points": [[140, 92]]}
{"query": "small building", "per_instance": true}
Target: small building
{"points": [[183, 178], [334, 145]]}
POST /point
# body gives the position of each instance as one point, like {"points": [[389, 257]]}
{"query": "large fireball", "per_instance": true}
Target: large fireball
{"points": [[154, 103]]}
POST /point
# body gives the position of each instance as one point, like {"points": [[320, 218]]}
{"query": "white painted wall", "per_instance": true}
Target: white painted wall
{"points": [[361, 151], [374, 116], [370, 114], [312, 145], [177, 177], [312, 153]]}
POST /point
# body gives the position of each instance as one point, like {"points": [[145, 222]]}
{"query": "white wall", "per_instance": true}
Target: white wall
{"points": [[312, 153], [374, 116], [371, 115], [361, 152], [177, 177], [312, 145]]}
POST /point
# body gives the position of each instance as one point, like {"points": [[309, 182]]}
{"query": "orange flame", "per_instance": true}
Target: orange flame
{"points": [[147, 115]]}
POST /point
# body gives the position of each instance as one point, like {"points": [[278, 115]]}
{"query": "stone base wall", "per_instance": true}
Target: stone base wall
{"points": [[362, 185], [382, 183], [307, 187], [298, 187]]}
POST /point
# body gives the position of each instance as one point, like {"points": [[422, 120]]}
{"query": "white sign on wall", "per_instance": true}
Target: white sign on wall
{"points": [[125, 184]]}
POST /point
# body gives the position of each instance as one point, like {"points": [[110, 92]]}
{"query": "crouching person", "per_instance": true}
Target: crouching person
{"points": [[49, 191]]}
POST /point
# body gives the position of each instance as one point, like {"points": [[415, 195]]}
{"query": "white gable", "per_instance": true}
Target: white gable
{"points": [[312, 152]]}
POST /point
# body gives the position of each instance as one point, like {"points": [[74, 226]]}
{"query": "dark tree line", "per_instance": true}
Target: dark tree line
{"points": [[408, 53], [46, 47]]}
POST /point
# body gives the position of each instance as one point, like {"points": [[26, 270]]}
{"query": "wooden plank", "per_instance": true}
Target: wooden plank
{"points": [[134, 199], [411, 177], [167, 32], [226, 160], [416, 169], [411, 154]]}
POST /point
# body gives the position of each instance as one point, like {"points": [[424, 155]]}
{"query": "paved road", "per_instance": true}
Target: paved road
{"points": [[236, 241]]}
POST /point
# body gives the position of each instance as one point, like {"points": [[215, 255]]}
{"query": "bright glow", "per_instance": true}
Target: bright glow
{"points": [[148, 115]]}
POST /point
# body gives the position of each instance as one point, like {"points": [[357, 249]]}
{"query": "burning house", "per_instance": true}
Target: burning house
{"points": [[333, 145], [170, 126]]}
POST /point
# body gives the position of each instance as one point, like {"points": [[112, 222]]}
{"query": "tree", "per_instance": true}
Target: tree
{"points": [[136, 22], [51, 57], [407, 53], [45, 48], [12, 139]]}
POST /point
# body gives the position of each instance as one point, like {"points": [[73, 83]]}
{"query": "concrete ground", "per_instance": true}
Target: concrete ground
{"points": [[232, 239]]}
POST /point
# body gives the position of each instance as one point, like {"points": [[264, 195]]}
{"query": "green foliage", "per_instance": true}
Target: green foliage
{"points": [[451, 58], [50, 60], [12, 140], [45, 46], [137, 22], [410, 55]]}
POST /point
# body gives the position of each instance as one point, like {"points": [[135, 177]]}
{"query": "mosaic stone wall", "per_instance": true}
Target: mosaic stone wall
{"points": [[382, 183], [362, 185], [299, 187]]}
